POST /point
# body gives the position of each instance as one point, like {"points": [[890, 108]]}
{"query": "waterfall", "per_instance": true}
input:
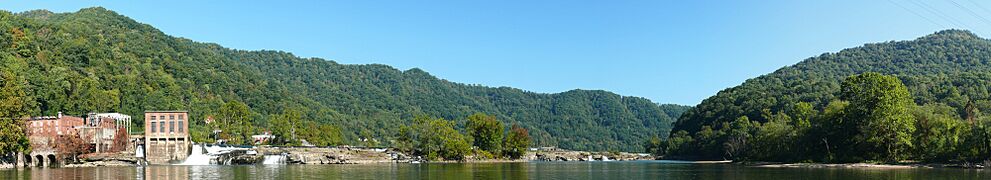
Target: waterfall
{"points": [[197, 157], [203, 154], [139, 152], [274, 159]]}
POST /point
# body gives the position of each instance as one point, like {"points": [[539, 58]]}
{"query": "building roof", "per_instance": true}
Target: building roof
{"points": [[113, 115], [168, 111]]}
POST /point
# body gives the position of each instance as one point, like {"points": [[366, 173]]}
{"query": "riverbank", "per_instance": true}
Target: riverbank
{"points": [[106, 159], [345, 155]]}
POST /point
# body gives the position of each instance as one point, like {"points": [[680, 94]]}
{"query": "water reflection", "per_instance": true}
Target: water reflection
{"points": [[535, 170]]}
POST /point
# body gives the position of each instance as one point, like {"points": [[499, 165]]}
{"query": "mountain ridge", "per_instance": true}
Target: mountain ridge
{"points": [[95, 53], [949, 67]]}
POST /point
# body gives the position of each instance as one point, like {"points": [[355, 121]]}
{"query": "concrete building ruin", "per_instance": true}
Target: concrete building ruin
{"points": [[120, 120], [101, 131], [166, 136]]}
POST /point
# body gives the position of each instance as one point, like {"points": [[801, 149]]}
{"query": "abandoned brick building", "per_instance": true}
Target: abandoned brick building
{"points": [[43, 132], [166, 136]]}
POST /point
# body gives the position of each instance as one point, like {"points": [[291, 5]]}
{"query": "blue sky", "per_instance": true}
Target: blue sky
{"points": [[667, 51]]}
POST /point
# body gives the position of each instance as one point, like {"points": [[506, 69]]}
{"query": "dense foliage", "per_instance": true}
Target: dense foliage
{"points": [[831, 108], [13, 138], [436, 138], [234, 123], [517, 142], [486, 132], [285, 126], [95, 60]]}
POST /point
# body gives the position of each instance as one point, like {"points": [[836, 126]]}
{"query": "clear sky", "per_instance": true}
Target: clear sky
{"points": [[668, 51]]}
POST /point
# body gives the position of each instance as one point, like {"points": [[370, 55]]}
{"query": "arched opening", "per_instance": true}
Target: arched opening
{"points": [[27, 160], [52, 161], [39, 161]]}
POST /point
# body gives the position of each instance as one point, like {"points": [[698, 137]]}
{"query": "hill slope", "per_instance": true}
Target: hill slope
{"points": [[951, 67], [97, 60]]}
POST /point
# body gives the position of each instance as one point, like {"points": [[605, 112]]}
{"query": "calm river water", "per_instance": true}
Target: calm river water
{"points": [[533, 170]]}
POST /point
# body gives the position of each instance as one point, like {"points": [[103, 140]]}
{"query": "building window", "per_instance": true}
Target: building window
{"points": [[171, 117], [161, 127], [171, 126], [161, 117], [180, 124], [153, 126], [181, 116]]}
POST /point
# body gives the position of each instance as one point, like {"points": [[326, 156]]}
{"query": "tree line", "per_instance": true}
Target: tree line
{"points": [[96, 60], [437, 138], [946, 75]]}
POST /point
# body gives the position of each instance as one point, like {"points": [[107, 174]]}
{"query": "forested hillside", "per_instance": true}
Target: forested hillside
{"points": [[817, 109], [97, 60]]}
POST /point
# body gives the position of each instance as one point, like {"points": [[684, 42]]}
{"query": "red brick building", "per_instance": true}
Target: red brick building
{"points": [[52, 126], [43, 133], [166, 136]]}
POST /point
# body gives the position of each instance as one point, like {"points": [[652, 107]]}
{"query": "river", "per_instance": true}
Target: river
{"points": [[533, 170]]}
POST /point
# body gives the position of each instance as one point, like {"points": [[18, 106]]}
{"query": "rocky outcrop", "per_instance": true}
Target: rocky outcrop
{"points": [[336, 155], [566, 155], [239, 157]]}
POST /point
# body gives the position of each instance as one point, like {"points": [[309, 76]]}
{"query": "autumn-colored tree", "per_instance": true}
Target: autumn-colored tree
{"points": [[120, 140], [72, 146]]}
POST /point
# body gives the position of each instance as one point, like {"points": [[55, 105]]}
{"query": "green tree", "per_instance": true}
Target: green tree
{"points": [[321, 134], [434, 139], [740, 136], [830, 133], [880, 105], [234, 121], [776, 138], [654, 146], [284, 126], [517, 142], [680, 143], [486, 131], [14, 106], [406, 139], [977, 146], [368, 138], [939, 133], [803, 114], [710, 142]]}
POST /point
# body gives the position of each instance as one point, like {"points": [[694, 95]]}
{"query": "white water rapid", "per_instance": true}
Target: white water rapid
{"points": [[197, 157], [274, 159]]}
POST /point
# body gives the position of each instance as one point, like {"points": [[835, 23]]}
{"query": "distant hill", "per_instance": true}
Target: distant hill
{"points": [[950, 67], [98, 60]]}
